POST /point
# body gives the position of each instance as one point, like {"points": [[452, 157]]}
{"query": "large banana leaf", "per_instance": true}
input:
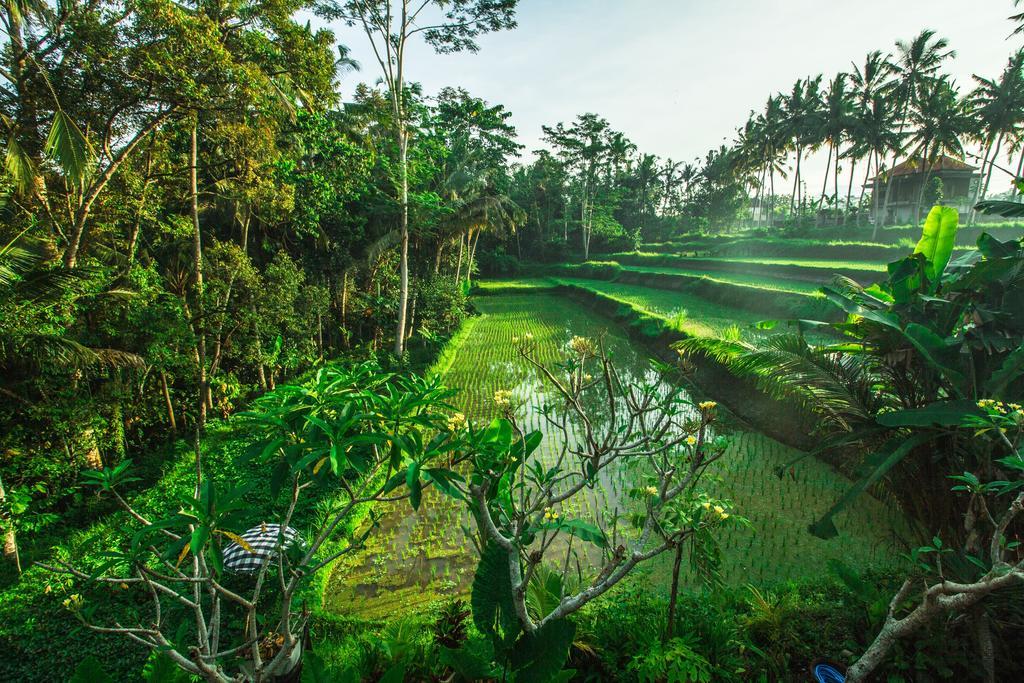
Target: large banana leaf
{"points": [[1011, 369], [883, 461], [937, 240], [942, 414]]}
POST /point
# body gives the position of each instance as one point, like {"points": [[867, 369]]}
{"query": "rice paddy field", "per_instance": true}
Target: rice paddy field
{"points": [[414, 559], [736, 277]]}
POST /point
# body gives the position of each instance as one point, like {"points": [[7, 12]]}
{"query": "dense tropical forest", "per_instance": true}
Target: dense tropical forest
{"points": [[310, 374]]}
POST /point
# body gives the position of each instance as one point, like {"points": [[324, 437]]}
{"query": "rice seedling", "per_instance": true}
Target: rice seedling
{"points": [[419, 557]]}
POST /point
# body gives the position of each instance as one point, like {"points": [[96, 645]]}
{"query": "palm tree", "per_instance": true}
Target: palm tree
{"points": [[491, 212], [774, 132], [870, 82], [801, 122], [1000, 108], [29, 286], [916, 66], [671, 172], [875, 136], [942, 119], [1017, 19], [836, 121], [647, 178]]}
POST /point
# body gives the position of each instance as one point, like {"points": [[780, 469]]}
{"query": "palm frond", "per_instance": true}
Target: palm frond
{"points": [[19, 167], [68, 146], [41, 286], [41, 350], [14, 261], [785, 366], [381, 244]]}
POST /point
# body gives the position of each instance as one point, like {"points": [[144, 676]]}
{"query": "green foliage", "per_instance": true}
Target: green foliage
{"points": [[674, 662], [160, 668], [954, 327], [90, 671]]}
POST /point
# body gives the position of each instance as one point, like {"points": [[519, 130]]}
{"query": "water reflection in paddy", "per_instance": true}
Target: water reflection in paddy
{"points": [[415, 557]]}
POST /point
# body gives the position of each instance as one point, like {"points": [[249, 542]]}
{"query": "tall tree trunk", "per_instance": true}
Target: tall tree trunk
{"points": [[472, 257], [920, 194], [849, 191], [824, 183], [981, 177], [759, 200], [904, 106], [458, 263], [344, 307], [835, 185], [860, 195], [875, 196], [168, 403], [794, 199], [437, 256], [412, 317], [10, 536], [992, 166], [583, 223], [197, 257], [403, 288]]}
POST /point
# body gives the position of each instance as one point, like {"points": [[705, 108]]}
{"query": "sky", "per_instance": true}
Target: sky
{"points": [[678, 77]]}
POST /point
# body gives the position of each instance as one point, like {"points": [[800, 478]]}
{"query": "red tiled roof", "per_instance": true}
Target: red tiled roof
{"points": [[944, 163]]}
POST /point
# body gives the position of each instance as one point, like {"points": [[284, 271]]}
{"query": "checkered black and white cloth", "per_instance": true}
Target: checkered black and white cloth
{"points": [[264, 540]]}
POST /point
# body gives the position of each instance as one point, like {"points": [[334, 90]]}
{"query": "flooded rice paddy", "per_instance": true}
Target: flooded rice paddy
{"points": [[415, 558]]}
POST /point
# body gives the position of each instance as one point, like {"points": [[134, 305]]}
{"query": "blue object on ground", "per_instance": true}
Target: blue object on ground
{"points": [[826, 673]]}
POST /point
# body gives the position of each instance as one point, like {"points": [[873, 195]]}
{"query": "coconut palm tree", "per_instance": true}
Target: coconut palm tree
{"points": [[869, 81], [835, 123], [802, 109], [491, 212], [874, 136], [941, 119], [1000, 108], [917, 65]]}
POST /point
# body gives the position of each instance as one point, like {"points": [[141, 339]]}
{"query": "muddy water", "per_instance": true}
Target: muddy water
{"points": [[416, 557]]}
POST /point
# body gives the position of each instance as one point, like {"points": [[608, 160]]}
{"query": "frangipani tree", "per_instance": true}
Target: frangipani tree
{"points": [[522, 501], [350, 439]]}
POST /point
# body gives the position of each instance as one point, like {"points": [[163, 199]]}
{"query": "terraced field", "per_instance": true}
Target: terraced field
{"points": [[692, 314], [414, 559], [778, 268], [734, 278]]}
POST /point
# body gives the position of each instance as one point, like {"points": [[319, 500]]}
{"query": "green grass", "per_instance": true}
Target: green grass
{"points": [[693, 315], [519, 285], [758, 281], [414, 559], [764, 296], [802, 262]]}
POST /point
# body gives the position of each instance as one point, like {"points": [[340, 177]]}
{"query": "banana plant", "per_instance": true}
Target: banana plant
{"points": [[916, 352]]}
